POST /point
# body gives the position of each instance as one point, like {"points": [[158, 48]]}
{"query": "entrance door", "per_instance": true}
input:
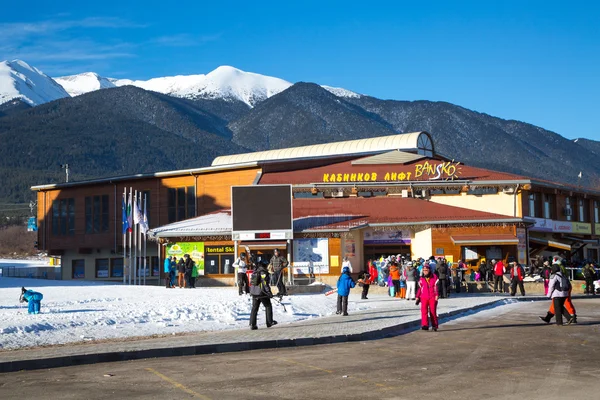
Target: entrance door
{"points": [[373, 252]]}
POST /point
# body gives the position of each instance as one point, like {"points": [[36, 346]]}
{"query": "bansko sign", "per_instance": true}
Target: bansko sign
{"points": [[441, 171]]}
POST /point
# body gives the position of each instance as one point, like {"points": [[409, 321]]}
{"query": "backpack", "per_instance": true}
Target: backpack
{"points": [[255, 289], [563, 283]]}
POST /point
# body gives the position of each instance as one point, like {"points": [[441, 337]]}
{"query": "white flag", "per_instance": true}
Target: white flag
{"points": [[137, 214], [579, 176], [144, 223]]}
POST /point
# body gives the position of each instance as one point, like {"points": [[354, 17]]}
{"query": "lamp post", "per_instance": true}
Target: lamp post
{"points": [[66, 168]]}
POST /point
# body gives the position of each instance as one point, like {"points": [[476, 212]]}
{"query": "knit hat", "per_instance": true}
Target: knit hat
{"points": [[345, 270]]}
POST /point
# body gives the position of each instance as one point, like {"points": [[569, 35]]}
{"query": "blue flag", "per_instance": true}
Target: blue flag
{"points": [[125, 219]]}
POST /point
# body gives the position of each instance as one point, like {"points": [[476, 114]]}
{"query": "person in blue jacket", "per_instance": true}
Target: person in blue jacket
{"points": [[33, 298], [344, 284]]}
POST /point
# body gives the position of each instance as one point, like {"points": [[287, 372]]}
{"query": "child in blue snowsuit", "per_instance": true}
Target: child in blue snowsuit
{"points": [[33, 298], [344, 284]]}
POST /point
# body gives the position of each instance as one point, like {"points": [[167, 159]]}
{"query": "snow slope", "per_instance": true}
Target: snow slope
{"points": [[20, 80], [79, 84]]}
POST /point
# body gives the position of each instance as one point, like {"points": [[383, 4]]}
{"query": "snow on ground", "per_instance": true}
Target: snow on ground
{"points": [[76, 311]]}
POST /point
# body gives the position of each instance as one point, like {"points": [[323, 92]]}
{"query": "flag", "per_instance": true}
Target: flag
{"points": [[129, 217], [579, 176], [137, 214], [125, 220], [144, 222]]}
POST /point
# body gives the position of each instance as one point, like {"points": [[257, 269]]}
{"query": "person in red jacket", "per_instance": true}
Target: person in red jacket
{"points": [[372, 271], [517, 273], [427, 296], [499, 271]]}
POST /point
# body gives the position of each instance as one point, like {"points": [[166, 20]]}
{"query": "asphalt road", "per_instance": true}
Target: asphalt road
{"points": [[502, 353]]}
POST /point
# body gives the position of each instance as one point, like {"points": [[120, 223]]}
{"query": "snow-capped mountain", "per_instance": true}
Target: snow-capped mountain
{"points": [[83, 83], [19, 80]]}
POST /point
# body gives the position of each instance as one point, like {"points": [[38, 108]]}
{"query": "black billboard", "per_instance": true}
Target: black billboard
{"points": [[261, 208]]}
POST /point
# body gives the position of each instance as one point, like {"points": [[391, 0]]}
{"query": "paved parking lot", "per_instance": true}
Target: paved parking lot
{"points": [[503, 352]]}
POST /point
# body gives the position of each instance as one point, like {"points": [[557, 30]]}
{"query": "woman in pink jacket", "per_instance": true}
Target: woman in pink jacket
{"points": [[427, 296]]}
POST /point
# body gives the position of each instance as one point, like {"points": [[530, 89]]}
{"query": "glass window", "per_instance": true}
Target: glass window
{"points": [[548, 205], [532, 198], [116, 270], [78, 269], [63, 217], [171, 204], [582, 213], [71, 203], [55, 217], [89, 225], [568, 209], [596, 212], [104, 217], [102, 268], [155, 266], [180, 204], [191, 202]]}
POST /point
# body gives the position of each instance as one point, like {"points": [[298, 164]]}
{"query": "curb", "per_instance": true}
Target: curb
{"points": [[84, 359]]}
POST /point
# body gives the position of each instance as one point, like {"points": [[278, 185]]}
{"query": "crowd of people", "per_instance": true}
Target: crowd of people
{"points": [[182, 273]]}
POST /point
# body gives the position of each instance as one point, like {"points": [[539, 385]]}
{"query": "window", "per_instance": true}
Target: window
{"points": [[596, 212], [548, 206], [582, 210], [181, 203], [78, 269], [102, 268], [155, 267], [533, 199], [116, 269], [568, 209], [96, 214], [63, 217]]}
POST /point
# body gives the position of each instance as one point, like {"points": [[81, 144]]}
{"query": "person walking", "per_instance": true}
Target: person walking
{"points": [[589, 274], [395, 276], [545, 274], [344, 284], [242, 278], [427, 297], [558, 291], [194, 275], [278, 263], [189, 265], [167, 272], [366, 284], [411, 281], [499, 270], [261, 294], [517, 273]]}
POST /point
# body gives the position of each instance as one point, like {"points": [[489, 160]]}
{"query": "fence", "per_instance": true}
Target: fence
{"points": [[29, 272]]}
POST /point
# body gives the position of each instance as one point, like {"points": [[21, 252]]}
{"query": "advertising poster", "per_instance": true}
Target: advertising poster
{"points": [[522, 246], [349, 248], [311, 253], [194, 249], [386, 237]]}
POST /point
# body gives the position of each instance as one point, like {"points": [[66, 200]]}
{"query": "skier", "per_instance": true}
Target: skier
{"points": [[344, 284], [545, 273], [558, 291], [516, 278], [261, 294], [427, 296], [242, 277], [411, 281], [33, 298], [589, 274]]}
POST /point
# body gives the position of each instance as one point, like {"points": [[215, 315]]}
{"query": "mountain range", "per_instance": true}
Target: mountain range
{"points": [[133, 126]]}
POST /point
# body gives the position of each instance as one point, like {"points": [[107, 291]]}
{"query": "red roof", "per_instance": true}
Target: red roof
{"points": [[351, 212], [323, 173]]}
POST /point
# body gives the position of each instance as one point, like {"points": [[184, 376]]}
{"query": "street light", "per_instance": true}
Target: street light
{"points": [[66, 168]]}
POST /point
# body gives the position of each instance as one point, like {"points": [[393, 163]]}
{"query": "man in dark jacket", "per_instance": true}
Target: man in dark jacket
{"points": [[189, 265], [517, 273], [442, 274], [278, 263], [589, 274], [261, 294]]}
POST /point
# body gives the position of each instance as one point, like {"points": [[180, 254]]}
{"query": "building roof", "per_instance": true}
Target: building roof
{"points": [[408, 141], [315, 175], [343, 214]]}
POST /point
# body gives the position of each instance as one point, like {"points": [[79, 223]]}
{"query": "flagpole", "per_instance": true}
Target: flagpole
{"points": [[130, 272], [145, 240], [135, 240], [124, 205]]}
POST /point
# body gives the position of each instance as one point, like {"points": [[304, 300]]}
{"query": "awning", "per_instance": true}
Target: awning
{"points": [[551, 243], [484, 240]]}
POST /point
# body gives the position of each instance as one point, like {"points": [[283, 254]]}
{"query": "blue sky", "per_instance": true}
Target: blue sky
{"points": [[534, 61]]}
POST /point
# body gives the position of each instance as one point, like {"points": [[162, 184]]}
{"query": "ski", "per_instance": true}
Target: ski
{"points": [[331, 292]]}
